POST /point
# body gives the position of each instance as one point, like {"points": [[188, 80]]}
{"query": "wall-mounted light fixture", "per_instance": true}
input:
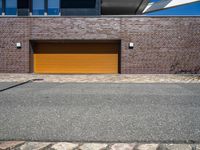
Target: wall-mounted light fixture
{"points": [[18, 45], [131, 45]]}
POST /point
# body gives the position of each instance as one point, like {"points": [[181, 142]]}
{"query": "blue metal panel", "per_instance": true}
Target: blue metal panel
{"points": [[11, 7], [53, 7], [38, 7]]}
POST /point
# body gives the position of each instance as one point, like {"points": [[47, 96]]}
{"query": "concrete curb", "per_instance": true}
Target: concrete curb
{"points": [[121, 78]]}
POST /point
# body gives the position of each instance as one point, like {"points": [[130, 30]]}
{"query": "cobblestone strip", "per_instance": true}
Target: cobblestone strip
{"points": [[21, 145], [121, 78]]}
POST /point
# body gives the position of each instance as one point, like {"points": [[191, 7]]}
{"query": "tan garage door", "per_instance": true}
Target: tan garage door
{"points": [[76, 58]]}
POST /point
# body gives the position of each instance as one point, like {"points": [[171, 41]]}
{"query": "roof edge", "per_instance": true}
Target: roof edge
{"points": [[142, 6]]}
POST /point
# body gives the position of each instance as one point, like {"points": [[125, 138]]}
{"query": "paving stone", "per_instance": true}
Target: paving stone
{"points": [[197, 147], [10, 144], [93, 146], [123, 146], [64, 146], [178, 147], [147, 147], [35, 146]]}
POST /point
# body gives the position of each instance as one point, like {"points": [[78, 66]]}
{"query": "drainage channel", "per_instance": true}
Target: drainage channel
{"points": [[20, 84]]}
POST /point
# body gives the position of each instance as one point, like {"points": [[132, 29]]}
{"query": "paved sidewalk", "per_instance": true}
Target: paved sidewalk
{"points": [[21, 145], [121, 78]]}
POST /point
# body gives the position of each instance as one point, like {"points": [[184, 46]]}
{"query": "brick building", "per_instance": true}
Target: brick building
{"points": [[94, 36]]}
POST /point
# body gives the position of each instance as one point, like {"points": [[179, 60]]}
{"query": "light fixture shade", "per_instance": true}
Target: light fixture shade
{"points": [[18, 45], [131, 45]]}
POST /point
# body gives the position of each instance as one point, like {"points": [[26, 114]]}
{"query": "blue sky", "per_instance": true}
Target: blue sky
{"points": [[190, 9]]}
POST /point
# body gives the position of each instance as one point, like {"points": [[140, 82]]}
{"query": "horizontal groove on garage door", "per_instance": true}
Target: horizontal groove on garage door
{"points": [[76, 58]]}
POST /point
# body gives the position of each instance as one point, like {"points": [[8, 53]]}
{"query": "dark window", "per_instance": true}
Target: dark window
{"points": [[78, 3], [23, 7], [38, 7], [23, 4], [53, 7], [11, 7], [0, 7]]}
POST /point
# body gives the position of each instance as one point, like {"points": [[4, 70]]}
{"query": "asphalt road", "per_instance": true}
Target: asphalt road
{"points": [[100, 112]]}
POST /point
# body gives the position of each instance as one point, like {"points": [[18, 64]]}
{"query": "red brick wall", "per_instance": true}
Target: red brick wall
{"points": [[13, 30], [162, 45]]}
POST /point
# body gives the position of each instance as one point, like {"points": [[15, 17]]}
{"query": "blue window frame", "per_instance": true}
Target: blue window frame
{"points": [[0, 7], [53, 7], [38, 7], [11, 7]]}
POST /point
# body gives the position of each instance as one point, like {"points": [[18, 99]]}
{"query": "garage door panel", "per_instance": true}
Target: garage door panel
{"points": [[86, 62]]}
